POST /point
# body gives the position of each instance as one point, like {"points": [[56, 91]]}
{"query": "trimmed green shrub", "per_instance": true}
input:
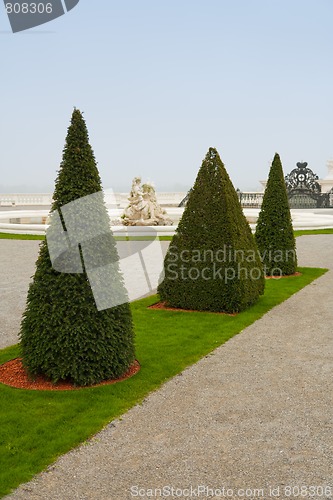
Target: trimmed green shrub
{"points": [[212, 263], [274, 232], [63, 335]]}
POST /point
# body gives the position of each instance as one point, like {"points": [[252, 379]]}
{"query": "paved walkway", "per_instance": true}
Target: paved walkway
{"points": [[257, 414], [17, 266]]}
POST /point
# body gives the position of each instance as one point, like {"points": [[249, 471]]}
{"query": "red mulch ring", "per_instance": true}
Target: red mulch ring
{"points": [[13, 374], [165, 307], [279, 277]]}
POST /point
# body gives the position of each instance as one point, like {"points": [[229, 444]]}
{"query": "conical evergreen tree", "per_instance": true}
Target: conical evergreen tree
{"points": [[63, 335], [274, 232], [212, 263]]}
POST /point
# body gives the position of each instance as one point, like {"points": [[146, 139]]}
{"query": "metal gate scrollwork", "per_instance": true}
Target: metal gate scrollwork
{"points": [[304, 190]]}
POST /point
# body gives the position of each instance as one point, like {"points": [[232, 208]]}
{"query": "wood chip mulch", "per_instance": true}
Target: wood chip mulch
{"points": [[279, 277], [13, 374], [165, 307]]}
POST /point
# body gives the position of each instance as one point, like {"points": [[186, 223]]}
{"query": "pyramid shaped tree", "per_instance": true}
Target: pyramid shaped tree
{"points": [[63, 334], [212, 263], [274, 232]]}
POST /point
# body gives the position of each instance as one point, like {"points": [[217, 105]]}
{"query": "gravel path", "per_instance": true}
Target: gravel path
{"points": [[256, 414]]}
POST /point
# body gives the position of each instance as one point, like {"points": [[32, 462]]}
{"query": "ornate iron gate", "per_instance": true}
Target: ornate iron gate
{"points": [[304, 190]]}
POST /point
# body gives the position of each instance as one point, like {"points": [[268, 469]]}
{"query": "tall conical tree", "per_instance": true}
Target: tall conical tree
{"points": [[274, 232], [63, 335], [212, 263]]}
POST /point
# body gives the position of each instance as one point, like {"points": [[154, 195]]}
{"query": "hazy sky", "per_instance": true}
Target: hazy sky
{"points": [[160, 81]]}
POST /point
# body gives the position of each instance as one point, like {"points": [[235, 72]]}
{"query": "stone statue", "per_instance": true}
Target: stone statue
{"points": [[143, 208]]}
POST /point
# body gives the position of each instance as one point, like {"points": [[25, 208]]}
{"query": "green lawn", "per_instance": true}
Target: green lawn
{"points": [[7, 236], [304, 232], [38, 426]]}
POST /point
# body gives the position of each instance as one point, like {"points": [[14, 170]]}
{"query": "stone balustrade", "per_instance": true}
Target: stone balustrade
{"points": [[248, 199], [251, 200], [22, 199], [120, 199]]}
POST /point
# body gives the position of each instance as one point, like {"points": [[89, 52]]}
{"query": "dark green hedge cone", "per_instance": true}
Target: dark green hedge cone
{"points": [[63, 335], [212, 263], [274, 232]]}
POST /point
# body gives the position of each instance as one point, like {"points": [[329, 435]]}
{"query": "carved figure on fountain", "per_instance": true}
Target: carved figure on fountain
{"points": [[143, 208]]}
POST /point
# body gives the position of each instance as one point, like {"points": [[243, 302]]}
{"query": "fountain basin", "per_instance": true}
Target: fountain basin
{"points": [[34, 221]]}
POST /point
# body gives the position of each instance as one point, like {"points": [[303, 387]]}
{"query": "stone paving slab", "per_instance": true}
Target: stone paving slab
{"points": [[17, 266]]}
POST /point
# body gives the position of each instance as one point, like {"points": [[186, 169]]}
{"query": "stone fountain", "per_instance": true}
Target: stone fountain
{"points": [[143, 208]]}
